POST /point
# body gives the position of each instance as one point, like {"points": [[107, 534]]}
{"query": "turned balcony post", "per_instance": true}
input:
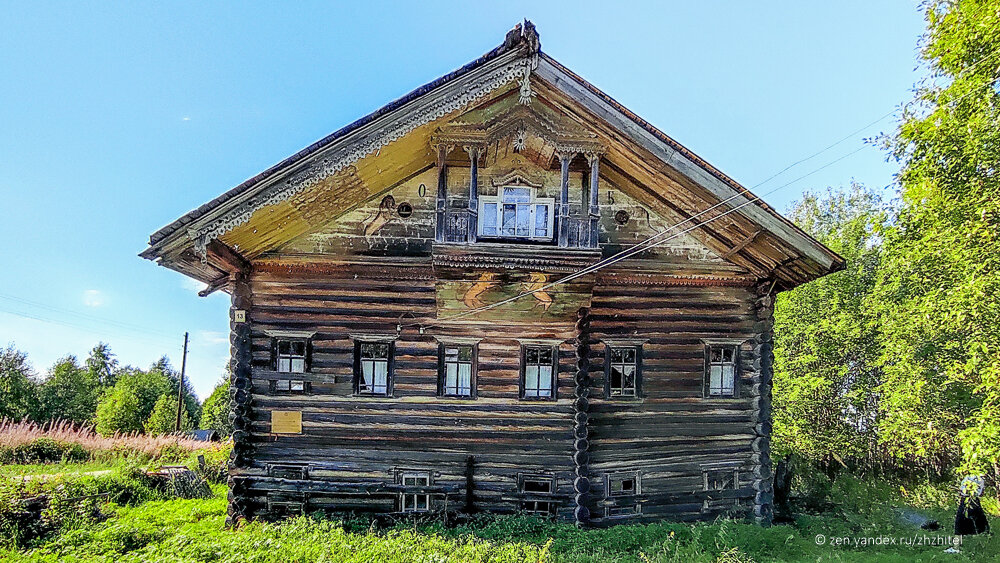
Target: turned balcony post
{"points": [[474, 153], [442, 193], [594, 160], [564, 158]]}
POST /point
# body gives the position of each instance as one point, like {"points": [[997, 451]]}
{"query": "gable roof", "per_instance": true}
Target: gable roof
{"points": [[519, 56]]}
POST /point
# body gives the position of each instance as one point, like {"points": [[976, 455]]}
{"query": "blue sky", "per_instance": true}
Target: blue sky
{"points": [[116, 119]]}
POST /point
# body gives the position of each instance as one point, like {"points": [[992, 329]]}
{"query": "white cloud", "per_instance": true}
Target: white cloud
{"points": [[212, 337], [185, 118], [93, 298], [192, 284]]}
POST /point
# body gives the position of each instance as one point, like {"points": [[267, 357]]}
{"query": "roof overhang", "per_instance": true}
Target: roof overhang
{"points": [[190, 245]]}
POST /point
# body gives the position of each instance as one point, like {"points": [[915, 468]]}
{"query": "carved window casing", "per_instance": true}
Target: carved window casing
{"points": [[457, 370], [538, 372], [722, 370], [516, 213], [290, 356], [373, 367], [623, 371]]}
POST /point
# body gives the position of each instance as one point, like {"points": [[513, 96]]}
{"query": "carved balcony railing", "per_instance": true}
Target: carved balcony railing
{"points": [[456, 230], [456, 226]]}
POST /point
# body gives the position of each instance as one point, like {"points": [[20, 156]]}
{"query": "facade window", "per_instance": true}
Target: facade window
{"points": [[290, 356], [538, 372], [457, 370], [622, 484], [516, 213], [722, 370], [415, 501], [720, 479], [290, 386], [537, 491], [373, 368], [624, 367]]}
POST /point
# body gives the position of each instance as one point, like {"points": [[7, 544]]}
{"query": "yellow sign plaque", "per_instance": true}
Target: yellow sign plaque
{"points": [[286, 422]]}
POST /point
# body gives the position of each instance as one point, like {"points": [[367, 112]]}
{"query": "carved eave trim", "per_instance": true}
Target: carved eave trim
{"points": [[420, 272], [676, 280], [497, 262], [366, 140]]}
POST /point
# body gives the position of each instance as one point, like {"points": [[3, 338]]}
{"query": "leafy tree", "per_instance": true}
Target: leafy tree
{"points": [[937, 293], [119, 411], [826, 349], [102, 365], [215, 410], [163, 419], [18, 391], [191, 403], [127, 406], [69, 392]]}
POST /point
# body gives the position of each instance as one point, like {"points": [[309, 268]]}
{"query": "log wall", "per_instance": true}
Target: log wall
{"points": [[352, 449]]}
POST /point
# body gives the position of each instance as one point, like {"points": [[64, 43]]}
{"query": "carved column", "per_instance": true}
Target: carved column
{"points": [[474, 153], [564, 158], [763, 359], [240, 397], [581, 406], [442, 192], [594, 160]]}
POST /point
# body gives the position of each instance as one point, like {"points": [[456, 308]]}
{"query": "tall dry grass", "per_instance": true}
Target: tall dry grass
{"points": [[14, 434]]}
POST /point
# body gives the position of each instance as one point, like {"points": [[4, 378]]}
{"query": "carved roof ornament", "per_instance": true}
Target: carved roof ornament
{"points": [[517, 177], [338, 156], [525, 94]]}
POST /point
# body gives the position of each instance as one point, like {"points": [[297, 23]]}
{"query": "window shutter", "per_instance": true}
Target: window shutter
{"points": [[309, 355], [391, 375], [440, 378], [706, 378], [555, 373], [638, 371], [607, 371], [357, 365], [520, 379], [274, 354]]}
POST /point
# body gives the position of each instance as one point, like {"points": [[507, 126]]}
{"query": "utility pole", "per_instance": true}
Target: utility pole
{"points": [[180, 388]]}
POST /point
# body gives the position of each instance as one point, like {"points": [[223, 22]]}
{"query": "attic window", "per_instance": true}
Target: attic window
{"points": [[516, 213]]}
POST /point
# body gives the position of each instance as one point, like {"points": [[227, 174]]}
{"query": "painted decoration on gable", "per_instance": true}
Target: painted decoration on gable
{"points": [[380, 217], [537, 301]]}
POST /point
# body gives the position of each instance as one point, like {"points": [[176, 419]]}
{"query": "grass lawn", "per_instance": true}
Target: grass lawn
{"points": [[55, 468], [192, 530]]}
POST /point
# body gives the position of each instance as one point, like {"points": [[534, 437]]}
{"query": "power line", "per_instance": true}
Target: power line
{"points": [[640, 247], [86, 317], [647, 243]]}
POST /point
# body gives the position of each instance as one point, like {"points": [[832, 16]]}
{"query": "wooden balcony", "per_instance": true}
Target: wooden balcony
{"points": [[578, 232]]}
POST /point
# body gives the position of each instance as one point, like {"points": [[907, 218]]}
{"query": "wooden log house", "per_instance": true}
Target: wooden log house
{"points": [[415, 327]]}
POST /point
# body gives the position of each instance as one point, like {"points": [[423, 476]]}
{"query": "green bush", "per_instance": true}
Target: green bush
{"points": [[43, 450]]}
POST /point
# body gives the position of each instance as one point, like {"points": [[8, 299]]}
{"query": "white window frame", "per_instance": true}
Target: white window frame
{"points": [[532, 203], [291, 362], [410, 502]]}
